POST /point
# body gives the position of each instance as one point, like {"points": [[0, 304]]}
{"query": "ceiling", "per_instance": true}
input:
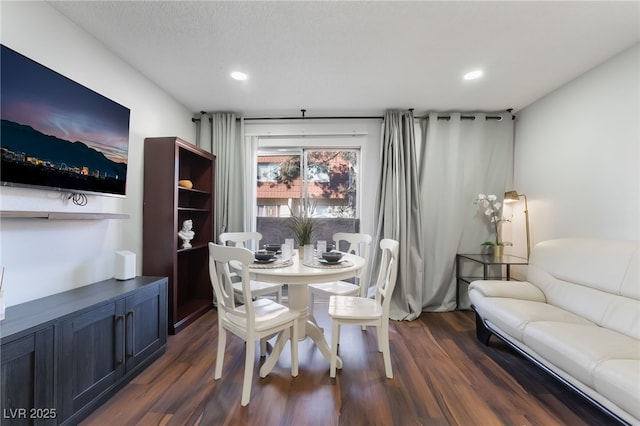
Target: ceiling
{"points": [[358, 57]]}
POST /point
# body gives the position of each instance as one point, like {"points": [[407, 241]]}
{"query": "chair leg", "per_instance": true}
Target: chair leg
{"points": [[335, 338], [263, 347], [279, 296], [386, 353], [381, 337], [250, 349], [294, 349], [363, 293], [270, 362], [222, 341]]}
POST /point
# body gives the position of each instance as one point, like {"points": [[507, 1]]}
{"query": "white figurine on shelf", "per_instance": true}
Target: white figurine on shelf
{"points": [[186, 234]]}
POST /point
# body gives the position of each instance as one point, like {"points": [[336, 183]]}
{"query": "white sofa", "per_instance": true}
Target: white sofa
{"points": [[577, 316]]}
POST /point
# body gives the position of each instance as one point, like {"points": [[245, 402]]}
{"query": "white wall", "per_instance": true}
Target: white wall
{"points": [[577, 155], [43, 257]]}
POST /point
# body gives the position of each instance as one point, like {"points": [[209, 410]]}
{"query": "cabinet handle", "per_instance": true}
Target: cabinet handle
{"points": [[133, 333], [122, 319]]}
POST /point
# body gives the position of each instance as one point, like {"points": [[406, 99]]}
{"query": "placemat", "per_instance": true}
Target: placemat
{"points": [[274, 265], [317, 264]]}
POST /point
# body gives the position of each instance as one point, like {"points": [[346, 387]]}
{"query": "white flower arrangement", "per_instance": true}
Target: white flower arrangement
{"points": [[491, 206]]}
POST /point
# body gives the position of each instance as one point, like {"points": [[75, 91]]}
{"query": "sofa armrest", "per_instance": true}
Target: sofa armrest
{"points": [[509, 289]]}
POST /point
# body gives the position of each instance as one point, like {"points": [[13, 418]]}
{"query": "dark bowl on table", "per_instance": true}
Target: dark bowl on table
{"points": [[264, 255], [273, 247], [332, 256]]}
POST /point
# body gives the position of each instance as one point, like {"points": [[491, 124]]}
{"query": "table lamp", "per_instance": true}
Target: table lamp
{"points": [[510, 197]]}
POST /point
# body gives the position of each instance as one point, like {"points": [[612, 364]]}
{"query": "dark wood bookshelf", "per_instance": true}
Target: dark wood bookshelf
{"points": [[166, 205]]}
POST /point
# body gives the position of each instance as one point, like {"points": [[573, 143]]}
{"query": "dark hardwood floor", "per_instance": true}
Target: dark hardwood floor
{"points": [[442, 376]]}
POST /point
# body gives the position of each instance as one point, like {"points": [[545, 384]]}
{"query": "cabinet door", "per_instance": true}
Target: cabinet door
{"points": [[146, 323], [28, 391], [92, 355]]}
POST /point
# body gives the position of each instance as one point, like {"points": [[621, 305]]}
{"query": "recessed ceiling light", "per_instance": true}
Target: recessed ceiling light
{"points": [[237, 75], [472, 75]]}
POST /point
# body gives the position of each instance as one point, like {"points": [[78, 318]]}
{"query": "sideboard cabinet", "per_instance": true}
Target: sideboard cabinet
{"points": [[64, 355], [28, 378], [166, 205]]}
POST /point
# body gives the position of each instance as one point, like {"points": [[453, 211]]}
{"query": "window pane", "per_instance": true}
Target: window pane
{"points": [[331, 181], [278, 183]]}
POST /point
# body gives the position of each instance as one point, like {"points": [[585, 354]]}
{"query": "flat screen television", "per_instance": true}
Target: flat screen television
{"points": [[58, 134]]}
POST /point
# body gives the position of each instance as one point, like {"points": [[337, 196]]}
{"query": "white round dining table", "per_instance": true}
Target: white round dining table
{"points": [[298, 276]]}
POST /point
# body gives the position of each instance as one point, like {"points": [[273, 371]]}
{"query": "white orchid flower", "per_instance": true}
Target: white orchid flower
{"points": [[491, 208]]}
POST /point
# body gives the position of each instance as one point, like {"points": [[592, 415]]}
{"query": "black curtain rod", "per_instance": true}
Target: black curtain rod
{"points": [[317, 118], [425, 117], [304, 118]]}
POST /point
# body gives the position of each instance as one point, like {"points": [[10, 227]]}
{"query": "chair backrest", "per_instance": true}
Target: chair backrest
{"points": [[360, 245], [388, 274], [241, 239], [222, 279]]}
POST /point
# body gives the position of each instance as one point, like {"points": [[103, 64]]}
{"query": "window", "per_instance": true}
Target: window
{"points": [[327, 177]]}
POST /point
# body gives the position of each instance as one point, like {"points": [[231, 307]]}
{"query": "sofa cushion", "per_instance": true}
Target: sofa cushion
{"points": [[581, 351], [510, 289], [593, 278], [591, 262], [620, 377], [512, 316]]}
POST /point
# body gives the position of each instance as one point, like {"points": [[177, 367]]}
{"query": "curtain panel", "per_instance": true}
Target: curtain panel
{"points": [[399, 207], [459, 158], [431, 175], [224, 138]]}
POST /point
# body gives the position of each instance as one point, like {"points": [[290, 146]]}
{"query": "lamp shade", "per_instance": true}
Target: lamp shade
{"points": [[511, 196]]}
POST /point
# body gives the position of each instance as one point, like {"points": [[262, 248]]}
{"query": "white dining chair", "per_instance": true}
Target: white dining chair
{"points": [[353, 310], [258, 288], [255, 320], [358, 244]]}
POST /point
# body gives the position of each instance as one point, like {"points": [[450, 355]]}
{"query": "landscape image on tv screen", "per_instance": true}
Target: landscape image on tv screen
{"points": [[57, 133]]}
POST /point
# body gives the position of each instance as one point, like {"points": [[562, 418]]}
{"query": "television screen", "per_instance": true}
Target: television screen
{"points": [[57, 134]]}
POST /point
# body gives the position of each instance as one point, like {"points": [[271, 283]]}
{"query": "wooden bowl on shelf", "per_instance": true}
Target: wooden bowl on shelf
{"points": [[185, 183]]}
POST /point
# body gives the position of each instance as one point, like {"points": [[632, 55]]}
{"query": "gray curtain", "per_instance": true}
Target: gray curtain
{"points": [[224, 138], [426, 199], [459, 158], [399, 212]]}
